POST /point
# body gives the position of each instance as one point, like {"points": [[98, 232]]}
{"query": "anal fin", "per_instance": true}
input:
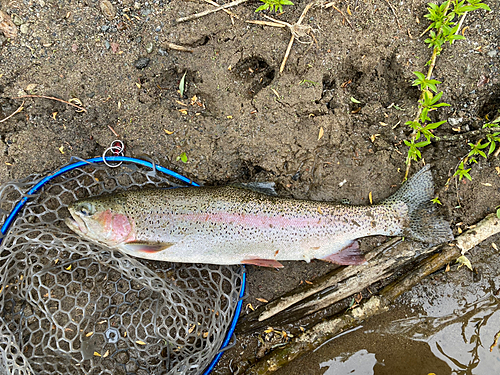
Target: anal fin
{"points": [[349, 255], [263, 262]]}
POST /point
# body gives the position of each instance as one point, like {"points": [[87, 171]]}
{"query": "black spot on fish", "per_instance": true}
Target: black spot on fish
{"points": [[373, 223], [356, 223]]}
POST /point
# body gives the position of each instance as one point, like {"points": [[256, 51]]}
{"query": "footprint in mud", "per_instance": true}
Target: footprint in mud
{"points": [[255, 73]]}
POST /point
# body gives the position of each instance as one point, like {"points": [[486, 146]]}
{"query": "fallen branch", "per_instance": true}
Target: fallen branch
{"points": [[21, 107], [52, 98], [331, 327], [210, 11]]}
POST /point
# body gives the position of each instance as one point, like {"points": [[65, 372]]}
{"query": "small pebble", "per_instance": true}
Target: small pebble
{"points": [[17, 20], [455, 121], [107, 44], [492, 53], [105, 28], [149, 47], [158, 29], [24, 28], [141, 62]]}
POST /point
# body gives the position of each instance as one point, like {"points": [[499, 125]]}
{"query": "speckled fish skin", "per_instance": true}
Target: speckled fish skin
{"points": [[230, 225]]}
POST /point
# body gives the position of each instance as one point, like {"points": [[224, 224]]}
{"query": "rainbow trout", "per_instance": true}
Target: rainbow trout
{"points": [[231, 225]]}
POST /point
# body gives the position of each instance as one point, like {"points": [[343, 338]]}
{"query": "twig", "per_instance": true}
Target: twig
{"points": [[176, 47], [292, 38], [266, 23], [394, 12], [12, 114], [50, 97], [202, 14], [228, 12]]}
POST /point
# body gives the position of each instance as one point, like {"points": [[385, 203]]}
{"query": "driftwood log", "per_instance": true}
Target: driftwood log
{"points": [[348, 281]]}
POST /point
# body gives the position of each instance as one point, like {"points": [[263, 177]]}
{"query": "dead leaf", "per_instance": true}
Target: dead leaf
{"points": [[107, 9], [7, 27], [262, 300], [97, 354], [464, 262], [321, 132], [140, 342], [168, 131], [370, 197]]}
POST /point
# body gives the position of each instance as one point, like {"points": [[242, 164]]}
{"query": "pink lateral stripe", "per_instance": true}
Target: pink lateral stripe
{"points": [[250, 220]]}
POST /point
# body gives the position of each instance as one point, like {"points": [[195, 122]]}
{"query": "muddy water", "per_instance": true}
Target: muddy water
{"points": [[446, 325]]}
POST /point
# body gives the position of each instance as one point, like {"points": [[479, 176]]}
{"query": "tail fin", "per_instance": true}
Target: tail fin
{"points": [[425, 224]]}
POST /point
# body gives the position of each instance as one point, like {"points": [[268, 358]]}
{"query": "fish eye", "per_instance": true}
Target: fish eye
{"points": [[87, 209]]}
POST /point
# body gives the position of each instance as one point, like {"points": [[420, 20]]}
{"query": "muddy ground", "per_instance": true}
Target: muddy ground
{"points": [[239, 119]]}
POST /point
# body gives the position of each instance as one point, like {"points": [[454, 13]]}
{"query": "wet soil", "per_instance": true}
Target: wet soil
{"points": [[239, 119]]}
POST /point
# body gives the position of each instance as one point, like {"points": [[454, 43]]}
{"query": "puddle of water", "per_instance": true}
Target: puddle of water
{"points": [[446, 325]]}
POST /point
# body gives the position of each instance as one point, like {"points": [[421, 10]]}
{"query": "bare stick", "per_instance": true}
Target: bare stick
{"points": [[12, 114], [266, 23], [292, 38], [52, 98], [176, 47], [288, 49], [202, 14], [228, 12]]}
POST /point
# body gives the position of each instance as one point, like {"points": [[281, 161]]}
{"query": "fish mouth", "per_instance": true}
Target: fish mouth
{"points": [[76, 224]]}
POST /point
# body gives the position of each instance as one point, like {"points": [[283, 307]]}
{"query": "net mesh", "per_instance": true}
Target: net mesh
{"points": [[68, 306]]}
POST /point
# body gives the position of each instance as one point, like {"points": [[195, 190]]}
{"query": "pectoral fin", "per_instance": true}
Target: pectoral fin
{"points": [[147, 247], [263, 262], [349, 255]]}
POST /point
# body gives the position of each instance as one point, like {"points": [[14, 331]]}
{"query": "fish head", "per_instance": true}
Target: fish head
{"points": [[101, 221]]}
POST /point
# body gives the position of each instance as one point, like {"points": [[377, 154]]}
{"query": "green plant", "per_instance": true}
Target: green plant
{"points": [[182, 157], [478, 149], [274, 5], [444, 28]]}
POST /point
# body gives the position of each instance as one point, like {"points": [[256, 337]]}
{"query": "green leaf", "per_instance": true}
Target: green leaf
{"points": [[498, 213], [182, 157], [492, 148], [262, 7], [434, 125], [355, 100], [436, 200]]}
